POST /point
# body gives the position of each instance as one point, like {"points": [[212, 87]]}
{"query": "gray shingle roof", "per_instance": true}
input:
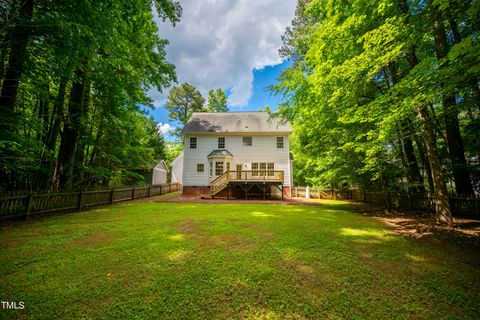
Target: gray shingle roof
{"points": [[235, 122], [220, 153]]}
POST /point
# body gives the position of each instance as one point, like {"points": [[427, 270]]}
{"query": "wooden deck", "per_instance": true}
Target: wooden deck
{"points": [[247, 180]]}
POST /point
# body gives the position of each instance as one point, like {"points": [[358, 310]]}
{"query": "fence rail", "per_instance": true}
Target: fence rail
{"points": [[399, 200], [31, 204]]}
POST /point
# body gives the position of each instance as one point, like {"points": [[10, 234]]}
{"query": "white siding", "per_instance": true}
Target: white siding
{"points": [[263, 149], [159, 176], [177, 169]]}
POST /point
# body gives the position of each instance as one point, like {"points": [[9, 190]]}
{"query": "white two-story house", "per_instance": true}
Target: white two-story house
{"points": [[236, 154]]}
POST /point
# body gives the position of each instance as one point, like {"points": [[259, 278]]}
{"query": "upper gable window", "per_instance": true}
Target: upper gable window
{"points": [[280, 142], [247, 141], [221, 143], [193, 143]]}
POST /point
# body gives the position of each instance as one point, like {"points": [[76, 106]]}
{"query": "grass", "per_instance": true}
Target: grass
{"points": [[149, 260]]}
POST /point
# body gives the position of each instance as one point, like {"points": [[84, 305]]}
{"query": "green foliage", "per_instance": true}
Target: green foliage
{"points": [[115, 48], [183, 100], [217, 101], [355, 86]]}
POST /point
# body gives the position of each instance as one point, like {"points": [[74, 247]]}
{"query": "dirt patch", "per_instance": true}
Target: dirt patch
{"points": [[93, 240], [230, 240], [304, 275], [265, 233], [190, 227]]}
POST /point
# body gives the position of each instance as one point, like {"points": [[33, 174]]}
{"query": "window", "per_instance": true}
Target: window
{"points": [[228, 166], [254, 169], [218, 168], [221, 143], [263, 169], [270, 168], [247, 141], [280, 142], [193, 143], [239, 171], [211, 168], [200, 167]]}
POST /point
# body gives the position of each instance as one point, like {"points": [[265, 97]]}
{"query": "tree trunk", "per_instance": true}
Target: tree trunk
{"points": [[412, 169], [463, 184], [443, 212], [47, 156], [71, 128], [57, 116], [473, 83], [411, 165], [18, 54], [81, 141]]}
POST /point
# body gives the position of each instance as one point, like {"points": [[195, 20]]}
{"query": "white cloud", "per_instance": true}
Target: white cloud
{"points": [[218, 43], [165, 128]]}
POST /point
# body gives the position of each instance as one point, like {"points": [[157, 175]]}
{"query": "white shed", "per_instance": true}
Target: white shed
{"points": [[177, 169], [160, 171]]}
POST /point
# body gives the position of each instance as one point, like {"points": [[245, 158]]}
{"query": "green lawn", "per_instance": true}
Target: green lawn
{"points": [[162, 260]]}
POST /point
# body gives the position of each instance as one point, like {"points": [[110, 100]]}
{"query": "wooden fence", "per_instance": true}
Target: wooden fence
{"points": [[31, 204], [398, 200]]}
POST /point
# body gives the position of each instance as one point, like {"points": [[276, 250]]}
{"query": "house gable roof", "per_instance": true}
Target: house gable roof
{"points": [[235, 122]]}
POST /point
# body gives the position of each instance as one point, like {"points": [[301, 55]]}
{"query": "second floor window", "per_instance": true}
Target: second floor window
{"points": [[193, 143], [221, 143], [247, 141], [279, 142]]}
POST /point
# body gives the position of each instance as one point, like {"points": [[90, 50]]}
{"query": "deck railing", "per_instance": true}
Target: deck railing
{"points": [[247, 176]]}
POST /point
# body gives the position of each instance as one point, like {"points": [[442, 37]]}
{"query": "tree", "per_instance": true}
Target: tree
{"points": [[367, 103], [217, 101], [183, 100], [72, 77]]}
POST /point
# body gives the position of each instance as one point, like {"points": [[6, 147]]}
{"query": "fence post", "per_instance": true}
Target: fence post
{"points": [[149, 187], [133, 193], [80, 201], [111, 197], [29, 205]]}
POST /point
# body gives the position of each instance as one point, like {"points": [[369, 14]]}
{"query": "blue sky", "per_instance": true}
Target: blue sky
{"points": [[228, 44], [261, 96]]}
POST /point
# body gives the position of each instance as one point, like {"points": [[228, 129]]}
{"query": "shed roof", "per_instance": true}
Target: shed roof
{"points": [[235, 122], [161, 165]]}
